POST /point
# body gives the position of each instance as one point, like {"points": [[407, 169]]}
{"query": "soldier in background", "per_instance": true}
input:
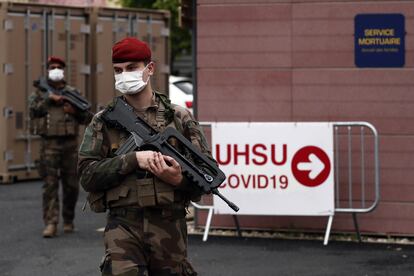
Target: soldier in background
{"points": [[57, 122], [145, 191]]}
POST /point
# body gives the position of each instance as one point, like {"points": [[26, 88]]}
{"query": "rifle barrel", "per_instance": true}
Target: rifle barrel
{"points": [[229, 203]]}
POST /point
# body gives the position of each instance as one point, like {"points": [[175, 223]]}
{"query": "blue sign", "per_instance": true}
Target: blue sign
{"points": [[379, 40]]}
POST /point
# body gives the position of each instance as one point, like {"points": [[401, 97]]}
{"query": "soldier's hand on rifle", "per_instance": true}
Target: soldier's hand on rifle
{"points": [[168, 173], [143, 158], [57, 98], [68, 108]]}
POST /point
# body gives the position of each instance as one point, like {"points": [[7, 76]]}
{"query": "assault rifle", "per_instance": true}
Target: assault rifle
{"points": [[72, 97], [206, 174]]}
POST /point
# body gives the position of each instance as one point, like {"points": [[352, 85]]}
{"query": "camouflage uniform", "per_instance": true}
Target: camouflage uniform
{"points": [[146, 232], [58, 156]]}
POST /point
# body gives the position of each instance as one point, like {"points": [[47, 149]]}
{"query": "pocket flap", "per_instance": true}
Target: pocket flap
{"points": [[145, 187], [117, 192], [93, 197]]}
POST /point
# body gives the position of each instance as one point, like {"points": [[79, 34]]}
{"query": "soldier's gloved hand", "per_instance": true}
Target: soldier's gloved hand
{"points": [[169, 173], [56, 98], [143, 158], [68, 108]]}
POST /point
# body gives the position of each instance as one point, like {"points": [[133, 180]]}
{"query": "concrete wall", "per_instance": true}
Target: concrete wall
{"points": [[294, 61]]}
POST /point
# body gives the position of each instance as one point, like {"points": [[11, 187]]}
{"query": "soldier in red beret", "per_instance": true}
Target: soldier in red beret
{"points": [[57, 122], [53, 60], [145, 191]]}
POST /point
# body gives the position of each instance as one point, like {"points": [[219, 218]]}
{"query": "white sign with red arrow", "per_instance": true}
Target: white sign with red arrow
{"points": [[275, 168], [315, 166]]}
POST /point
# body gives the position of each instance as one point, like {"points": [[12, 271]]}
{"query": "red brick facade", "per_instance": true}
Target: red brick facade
{"points": [[294, 61]]}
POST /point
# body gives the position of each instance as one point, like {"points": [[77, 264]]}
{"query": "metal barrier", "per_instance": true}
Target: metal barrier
{"points": [[210, 209], [362, 126], [344, 164], [361, 142]]}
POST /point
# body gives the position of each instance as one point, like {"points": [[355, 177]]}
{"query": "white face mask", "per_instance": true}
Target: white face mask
{"points": [[130, 82], [56, 74]]}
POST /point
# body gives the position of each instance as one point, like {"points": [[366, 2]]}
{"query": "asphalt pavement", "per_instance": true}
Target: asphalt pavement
{"points": [[23, 251]]}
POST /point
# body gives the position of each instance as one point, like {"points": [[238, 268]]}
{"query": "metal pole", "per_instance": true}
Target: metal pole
{"points": [[67, 47], [115, 28], [137, 25], [328, 230], [45, 46], [236, 221], [208, 223], [114, 36], [362, 168], [377, 165], [130, 26], [52, 33], [28, 47], [194, 57], [354, 217], [337, 165], [149, 31], [350, 166]]}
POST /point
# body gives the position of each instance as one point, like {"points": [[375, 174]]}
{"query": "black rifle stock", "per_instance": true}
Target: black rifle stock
{"points": [[72, 97], [208, 178]]}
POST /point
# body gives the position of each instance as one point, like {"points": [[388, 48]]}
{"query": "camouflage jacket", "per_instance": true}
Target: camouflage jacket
{"points": [[60, 123], [100, 170]]}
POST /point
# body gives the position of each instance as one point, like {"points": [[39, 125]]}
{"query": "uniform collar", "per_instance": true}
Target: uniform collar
{"points": [[154, 104], [60, 85], [154, 101]]}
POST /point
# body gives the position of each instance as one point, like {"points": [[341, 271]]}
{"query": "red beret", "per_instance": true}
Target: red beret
{"points": [[130, 49], [53, 59]]}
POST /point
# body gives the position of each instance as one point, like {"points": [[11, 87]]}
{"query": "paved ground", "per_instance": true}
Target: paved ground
{"points": [[24, 252]]}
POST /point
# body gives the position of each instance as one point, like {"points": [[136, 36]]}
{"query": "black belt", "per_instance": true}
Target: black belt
{"points": [[137, 213], [128, 213]]}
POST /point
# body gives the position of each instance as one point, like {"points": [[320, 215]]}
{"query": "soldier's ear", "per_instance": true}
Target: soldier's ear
{"points": [[151, 68]]}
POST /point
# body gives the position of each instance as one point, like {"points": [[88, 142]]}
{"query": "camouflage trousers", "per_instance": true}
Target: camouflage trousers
{"points": [[146, 243], [58, 158]]}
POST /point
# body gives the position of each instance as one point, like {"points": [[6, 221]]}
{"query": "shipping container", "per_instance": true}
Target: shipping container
{"points": [[83, 37], [114, 24], [29, 35]]}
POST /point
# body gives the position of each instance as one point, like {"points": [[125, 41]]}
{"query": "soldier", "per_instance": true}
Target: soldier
{"points": [[57, 122], [145, 191]]}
